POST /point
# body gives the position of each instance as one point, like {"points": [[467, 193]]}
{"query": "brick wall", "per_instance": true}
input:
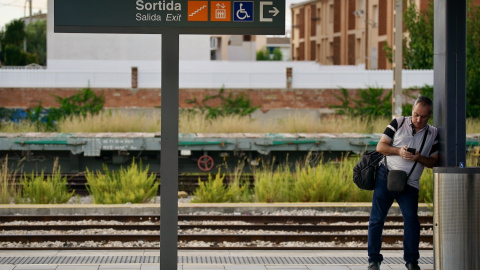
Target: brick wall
{"points": [[267, 99]]}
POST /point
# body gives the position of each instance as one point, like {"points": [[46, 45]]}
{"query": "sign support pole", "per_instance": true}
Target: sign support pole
{"points": [[169, 152], [397, 59]]}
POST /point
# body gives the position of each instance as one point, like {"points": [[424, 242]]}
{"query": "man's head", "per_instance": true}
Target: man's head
{"points": [[421, 112]]}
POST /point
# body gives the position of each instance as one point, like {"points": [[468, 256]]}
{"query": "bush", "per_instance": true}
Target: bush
{"points": [[310, 182], [7, 183], [132, 185], [14, 56], [371, 103], [83, 103], [273, 185], [267, 54], [214, 190], [229, 105], [38, 189]]}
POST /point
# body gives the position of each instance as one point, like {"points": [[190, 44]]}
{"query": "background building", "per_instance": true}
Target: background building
{"points": [[67, 51], [344, 32]]}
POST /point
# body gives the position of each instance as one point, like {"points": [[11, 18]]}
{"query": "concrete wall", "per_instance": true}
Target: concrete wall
{"points": [[216, 74]]}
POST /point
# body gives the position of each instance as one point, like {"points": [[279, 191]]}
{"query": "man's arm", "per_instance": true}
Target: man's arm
{"points": [[386, 149], [429, 162]]}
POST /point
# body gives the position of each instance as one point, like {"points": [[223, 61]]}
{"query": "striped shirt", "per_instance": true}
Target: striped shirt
{"points": [[406, 135]]}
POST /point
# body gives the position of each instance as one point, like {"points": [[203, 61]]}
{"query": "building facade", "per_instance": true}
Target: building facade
{"points": [[344, 32], [113, 52]]}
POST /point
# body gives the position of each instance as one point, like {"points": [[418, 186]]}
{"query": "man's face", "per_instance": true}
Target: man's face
{"points": [[420, 115]]}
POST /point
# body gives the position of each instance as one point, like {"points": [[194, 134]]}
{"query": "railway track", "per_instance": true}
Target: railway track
{"points": [[211, 231]]}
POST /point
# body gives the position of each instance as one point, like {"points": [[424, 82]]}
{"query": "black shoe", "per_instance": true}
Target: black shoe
{"points": [[413, 266], [374, 265]]}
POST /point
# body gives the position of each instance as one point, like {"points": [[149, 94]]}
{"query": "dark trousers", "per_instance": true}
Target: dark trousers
{"points": [[381, 203]]}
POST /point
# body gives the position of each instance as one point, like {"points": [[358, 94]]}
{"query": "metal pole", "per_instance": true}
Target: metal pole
{"points": [[169, 152], [30, 9], [449, 58], [397, 59]]}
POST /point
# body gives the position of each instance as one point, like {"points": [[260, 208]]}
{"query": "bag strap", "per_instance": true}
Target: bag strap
{"points": [[400, 125], [392, 140], [420, 151]]}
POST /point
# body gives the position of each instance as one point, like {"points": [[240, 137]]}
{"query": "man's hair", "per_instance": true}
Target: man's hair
{"points": [[425, 100]]}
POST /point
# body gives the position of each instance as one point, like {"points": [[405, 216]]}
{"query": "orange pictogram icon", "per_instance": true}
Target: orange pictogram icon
{"points": [[198, 11], [220, 11]]}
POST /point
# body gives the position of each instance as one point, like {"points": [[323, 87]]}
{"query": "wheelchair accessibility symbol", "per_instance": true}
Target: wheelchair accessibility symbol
{"points": [[243, 11]]}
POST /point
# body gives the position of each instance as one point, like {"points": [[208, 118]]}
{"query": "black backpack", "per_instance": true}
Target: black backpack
{"points": [[364, 173]]}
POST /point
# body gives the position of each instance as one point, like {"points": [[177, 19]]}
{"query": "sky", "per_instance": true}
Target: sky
{"points": [[16, 9]]}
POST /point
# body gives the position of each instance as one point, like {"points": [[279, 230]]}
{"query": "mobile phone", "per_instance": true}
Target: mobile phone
{"points": [[412, 150]]}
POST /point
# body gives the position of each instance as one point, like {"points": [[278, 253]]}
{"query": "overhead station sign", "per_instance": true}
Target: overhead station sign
{"points": [[254, 17]]}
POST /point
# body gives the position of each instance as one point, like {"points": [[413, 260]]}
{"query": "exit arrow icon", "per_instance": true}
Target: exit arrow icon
{"points": [[275, 11]]}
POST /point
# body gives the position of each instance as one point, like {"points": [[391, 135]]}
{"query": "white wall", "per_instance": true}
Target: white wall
{"points": [[67, 51], [215, 74]]}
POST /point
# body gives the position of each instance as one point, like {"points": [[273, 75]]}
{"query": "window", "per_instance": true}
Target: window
{"points": [[331, 14]]}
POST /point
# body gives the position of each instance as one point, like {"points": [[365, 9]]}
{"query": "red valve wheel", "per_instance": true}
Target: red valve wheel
{"points": [[205, 163]]}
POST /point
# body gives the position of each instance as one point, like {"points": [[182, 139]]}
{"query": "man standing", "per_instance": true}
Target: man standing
{"points": [[403, 133]]}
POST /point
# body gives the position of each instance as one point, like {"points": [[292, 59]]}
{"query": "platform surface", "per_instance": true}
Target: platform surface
{"points": [[202, 260]]}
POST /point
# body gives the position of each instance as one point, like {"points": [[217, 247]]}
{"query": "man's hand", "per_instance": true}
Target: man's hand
{"points": [[407, 155]]}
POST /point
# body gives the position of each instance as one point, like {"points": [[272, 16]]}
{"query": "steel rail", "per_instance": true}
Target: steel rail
{"points": [[217, 238], [250, 227], [255, 219], [310, 229]]}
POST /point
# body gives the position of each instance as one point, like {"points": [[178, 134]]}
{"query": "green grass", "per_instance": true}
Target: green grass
{"points": [[38, 189], [189, 122], [131, 185], [307, 181], [7, 182]]}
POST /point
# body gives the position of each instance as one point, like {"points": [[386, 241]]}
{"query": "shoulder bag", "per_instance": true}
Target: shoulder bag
{"points": [[365, 172], [397, 179]]}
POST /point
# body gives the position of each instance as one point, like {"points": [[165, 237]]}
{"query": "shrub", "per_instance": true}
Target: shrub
{"points": [[230, 104], [371, 103], [7, 183], [38, 189], [426, 187], [83, 103], [132, 185], [273, 185], [310, 182], [214, 191]]}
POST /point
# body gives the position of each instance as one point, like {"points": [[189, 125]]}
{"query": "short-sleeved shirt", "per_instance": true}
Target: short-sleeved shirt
{"points": [[406, 136]]}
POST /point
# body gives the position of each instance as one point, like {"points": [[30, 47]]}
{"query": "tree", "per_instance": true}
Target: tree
{"points": [[417, 39], [418, 47], [36, 33], [267, 54], [11, 50], [473, 65], [14, 33]]}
